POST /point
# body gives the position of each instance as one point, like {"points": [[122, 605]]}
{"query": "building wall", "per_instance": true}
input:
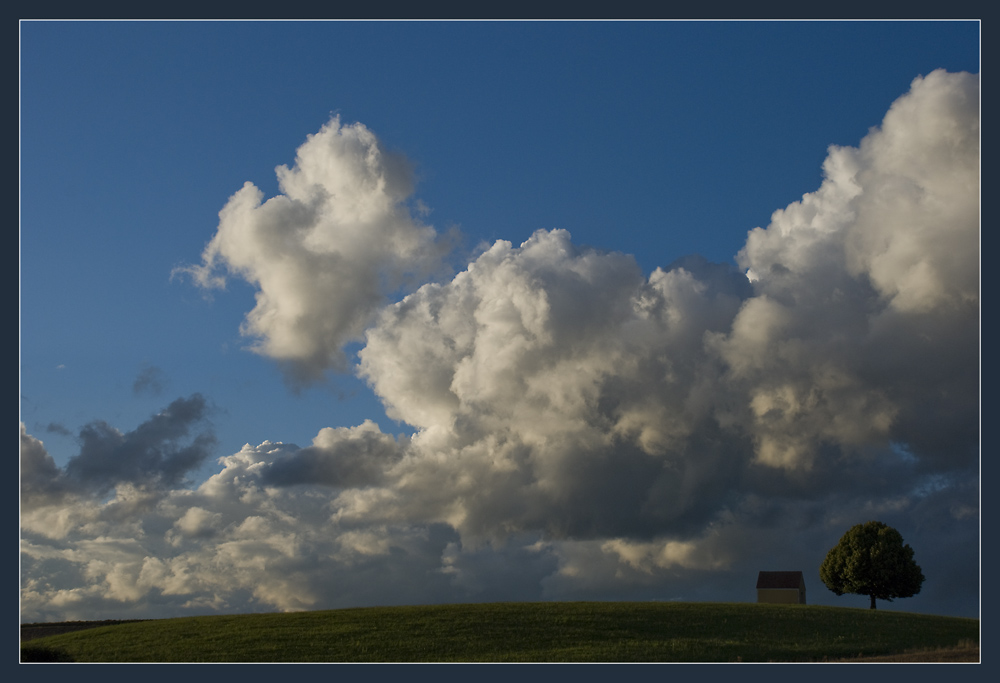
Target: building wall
{"points": [[792, 596]]}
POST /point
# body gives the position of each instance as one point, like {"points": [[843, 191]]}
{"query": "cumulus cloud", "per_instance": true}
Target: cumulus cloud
{"points": [[324, 254], [341, 458], [554, 388], [582, 430], [865, 320]]}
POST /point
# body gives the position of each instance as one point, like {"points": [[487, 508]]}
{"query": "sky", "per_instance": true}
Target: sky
{"points": [[334, 314]]}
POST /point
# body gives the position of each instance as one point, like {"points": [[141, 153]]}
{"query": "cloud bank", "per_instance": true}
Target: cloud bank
{"points": [[582, 430]]}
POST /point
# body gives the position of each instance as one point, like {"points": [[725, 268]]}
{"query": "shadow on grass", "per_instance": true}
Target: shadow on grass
{"points": [[32, 653]]}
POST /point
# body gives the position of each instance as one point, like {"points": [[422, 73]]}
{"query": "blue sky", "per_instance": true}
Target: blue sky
{"points": [[657, 140]]}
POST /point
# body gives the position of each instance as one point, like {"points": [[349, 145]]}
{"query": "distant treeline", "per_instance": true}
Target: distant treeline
{"points": [[42, 629]]}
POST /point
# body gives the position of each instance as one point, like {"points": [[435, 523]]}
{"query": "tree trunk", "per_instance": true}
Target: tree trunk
{"points": [[873, 602]]}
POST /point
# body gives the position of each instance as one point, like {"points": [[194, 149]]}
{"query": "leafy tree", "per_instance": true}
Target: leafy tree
{"points": [[872, 560]]}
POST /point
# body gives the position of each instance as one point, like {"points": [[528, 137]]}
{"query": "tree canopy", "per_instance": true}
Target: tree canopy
{"points": [[872, 560]]}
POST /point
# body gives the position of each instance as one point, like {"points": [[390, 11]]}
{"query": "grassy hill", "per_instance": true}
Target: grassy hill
{"points": [[518, 632]]}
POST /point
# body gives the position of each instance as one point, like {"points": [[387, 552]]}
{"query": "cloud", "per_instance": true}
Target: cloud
{"points": [[150, 380], [864, 324], [152, 454], [156, 454], [554, 388], [40, 477], [325, 253], [581, 430], [56, 428], [340, 458]]}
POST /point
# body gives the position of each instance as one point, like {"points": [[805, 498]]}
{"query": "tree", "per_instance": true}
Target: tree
{"points": [[872, 560]]}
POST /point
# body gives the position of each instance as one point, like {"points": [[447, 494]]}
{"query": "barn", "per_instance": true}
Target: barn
{"points": [[781, 588]]}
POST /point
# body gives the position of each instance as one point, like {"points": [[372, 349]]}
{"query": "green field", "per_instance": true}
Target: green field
{"points": [[518, 632]]}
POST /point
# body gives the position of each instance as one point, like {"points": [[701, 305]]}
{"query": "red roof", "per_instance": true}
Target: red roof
{"points": [[780, 580]]}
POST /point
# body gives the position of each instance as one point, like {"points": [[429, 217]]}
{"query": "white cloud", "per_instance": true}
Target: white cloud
{"points": [[901, 211], [867, 290], [324, 254]]}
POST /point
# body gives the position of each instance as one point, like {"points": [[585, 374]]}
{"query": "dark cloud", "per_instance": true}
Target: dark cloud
{"points": [[152, 454], [41, 480], [56, 428], [338, 458]]}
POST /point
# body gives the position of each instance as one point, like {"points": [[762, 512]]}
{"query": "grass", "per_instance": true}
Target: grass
{"points": [[518, 632]]}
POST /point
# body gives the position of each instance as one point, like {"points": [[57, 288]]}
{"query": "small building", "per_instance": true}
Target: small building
{"points": [[781, 588]]}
